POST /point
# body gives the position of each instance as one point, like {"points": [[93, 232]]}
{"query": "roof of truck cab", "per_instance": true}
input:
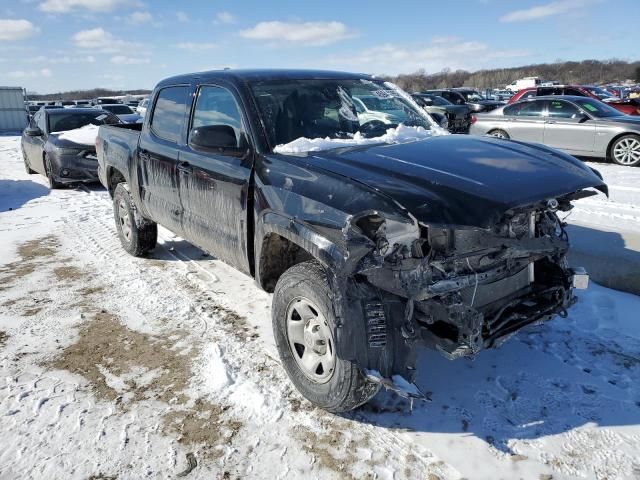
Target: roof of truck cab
{"points": [[241, 75]]}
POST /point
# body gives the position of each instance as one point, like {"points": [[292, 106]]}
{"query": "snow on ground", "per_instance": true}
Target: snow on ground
{"points": [[116, 367], [622, 209]]}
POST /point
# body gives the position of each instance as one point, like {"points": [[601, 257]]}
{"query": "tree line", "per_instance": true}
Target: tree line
{"points": [[582, 73], [85, 94]]}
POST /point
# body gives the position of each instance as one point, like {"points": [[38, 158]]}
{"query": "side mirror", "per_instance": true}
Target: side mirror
{"points": [[214, 136], [33, 132]]}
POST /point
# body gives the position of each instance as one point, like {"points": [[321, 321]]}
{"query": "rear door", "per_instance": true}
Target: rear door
{"points": [[525, 121], [158, 150], [215, 171], [568, 129]]}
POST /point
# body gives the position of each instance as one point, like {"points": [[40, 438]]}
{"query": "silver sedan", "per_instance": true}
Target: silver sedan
{"points": [[580, 126]]}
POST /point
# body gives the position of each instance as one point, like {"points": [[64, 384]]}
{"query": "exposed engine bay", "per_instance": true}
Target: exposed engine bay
{"points": [[460, 290]]}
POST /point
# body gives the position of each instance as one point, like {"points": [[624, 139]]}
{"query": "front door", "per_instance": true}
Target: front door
{"points": [[158, 153], [567, 128], [215, 177]]}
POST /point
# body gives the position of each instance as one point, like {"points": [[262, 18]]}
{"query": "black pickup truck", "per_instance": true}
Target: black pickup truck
{"points": [[375, 236]]}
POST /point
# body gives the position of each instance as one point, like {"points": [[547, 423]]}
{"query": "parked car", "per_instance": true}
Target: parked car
{"points": [[60, 160], [580, 126], [371, 250], [106, 101], [142, 108], [627, 106], [123, 112], [458, 117], [526, 82], [466, 96]]}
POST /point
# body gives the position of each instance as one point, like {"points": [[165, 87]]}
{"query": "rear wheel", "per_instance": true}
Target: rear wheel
{"points": [[137, 234], [626, 150], [499, 134], [48, 168], [303, 322]]}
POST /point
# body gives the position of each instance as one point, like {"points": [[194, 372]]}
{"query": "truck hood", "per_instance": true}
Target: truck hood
{"points": [[460, 180]]}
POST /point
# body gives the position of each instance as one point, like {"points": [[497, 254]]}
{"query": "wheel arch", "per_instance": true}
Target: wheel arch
{"points": [[114, 177]]}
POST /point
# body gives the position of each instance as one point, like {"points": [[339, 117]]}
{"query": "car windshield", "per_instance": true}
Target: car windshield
{"points": [[599, 92], [63, 121], [597, 108], [333, 108], [472, 96], [117, 109]]}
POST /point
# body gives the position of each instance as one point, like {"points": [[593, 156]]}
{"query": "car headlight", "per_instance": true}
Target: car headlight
{"points": [[68, 151]]}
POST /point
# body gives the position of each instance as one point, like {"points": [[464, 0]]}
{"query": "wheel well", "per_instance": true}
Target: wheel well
{"points": [[277, 255], [114, 178], [615, 139], [497, 130]]}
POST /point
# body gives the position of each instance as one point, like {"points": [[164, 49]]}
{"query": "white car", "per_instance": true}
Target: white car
{"points": [[141, 109]]}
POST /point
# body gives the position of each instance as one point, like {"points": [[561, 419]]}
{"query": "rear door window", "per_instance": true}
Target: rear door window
{"points": [[169, 113], [526, 109]]}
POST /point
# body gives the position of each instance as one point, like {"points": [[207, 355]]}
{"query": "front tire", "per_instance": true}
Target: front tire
{"points": [[137, 234], [303, 322], [626, 151], [48, 168], [27, 167]]}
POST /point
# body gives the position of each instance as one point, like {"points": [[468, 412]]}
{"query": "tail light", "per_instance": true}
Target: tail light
{"points": [[474, 119]]}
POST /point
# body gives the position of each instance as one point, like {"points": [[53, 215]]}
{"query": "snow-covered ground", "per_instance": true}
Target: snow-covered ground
{"points": [[116, 367]]}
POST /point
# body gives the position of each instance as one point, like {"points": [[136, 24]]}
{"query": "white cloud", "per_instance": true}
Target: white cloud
{"points": [[98, 39], [182, 17], [65, 59], [64, 6], [434, 56], [11, 30], [225, 17], [300, 33], [542, 11], [44, 72], [196, 46], [124, 60], [140, 17]]}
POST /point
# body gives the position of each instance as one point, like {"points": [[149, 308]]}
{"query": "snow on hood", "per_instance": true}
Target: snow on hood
{"points": [[400, 134], [84, 135]]}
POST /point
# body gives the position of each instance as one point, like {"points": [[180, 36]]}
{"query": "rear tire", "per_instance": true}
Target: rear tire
{"points": [[303, 320], [27, 167], [53, 183], [626, 151], [137, 234], [497, 133]]}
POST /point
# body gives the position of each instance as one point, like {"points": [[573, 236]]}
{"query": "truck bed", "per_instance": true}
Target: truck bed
{"points": [[116, 148]]}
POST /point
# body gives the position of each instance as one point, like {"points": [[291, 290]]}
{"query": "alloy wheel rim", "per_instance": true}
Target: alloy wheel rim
{"points": [[498, 135], [627, 151], [310, 340], [125, 220]]}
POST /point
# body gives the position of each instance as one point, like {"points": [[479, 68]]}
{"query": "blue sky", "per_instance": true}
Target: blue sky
{"points": [[53, 45]]}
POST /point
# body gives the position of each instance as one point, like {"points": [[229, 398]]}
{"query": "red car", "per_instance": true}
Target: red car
{"points": [[628, 106]]}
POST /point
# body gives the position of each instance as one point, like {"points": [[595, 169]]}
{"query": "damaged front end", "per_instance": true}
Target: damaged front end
{"points": [[454, 289]]}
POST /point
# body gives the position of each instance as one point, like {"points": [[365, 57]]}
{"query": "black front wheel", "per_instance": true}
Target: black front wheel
{"points": [[48, 168], [303, 324]]}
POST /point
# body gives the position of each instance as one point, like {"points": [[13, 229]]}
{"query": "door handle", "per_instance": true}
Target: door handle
{"points": [[185, 167]]}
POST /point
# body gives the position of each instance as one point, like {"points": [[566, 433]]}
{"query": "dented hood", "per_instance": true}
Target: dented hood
{"points": [[459, 179]]}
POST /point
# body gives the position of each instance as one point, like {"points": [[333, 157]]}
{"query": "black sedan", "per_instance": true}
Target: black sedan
{"points": [[123, 112], [60, 144], [467, 96]]}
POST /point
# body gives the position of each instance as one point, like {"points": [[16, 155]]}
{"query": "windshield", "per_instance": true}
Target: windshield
{"points": [[117, 109], [599, 92], [472, 96], [597, 108], [61, 121], [335, 109]]}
